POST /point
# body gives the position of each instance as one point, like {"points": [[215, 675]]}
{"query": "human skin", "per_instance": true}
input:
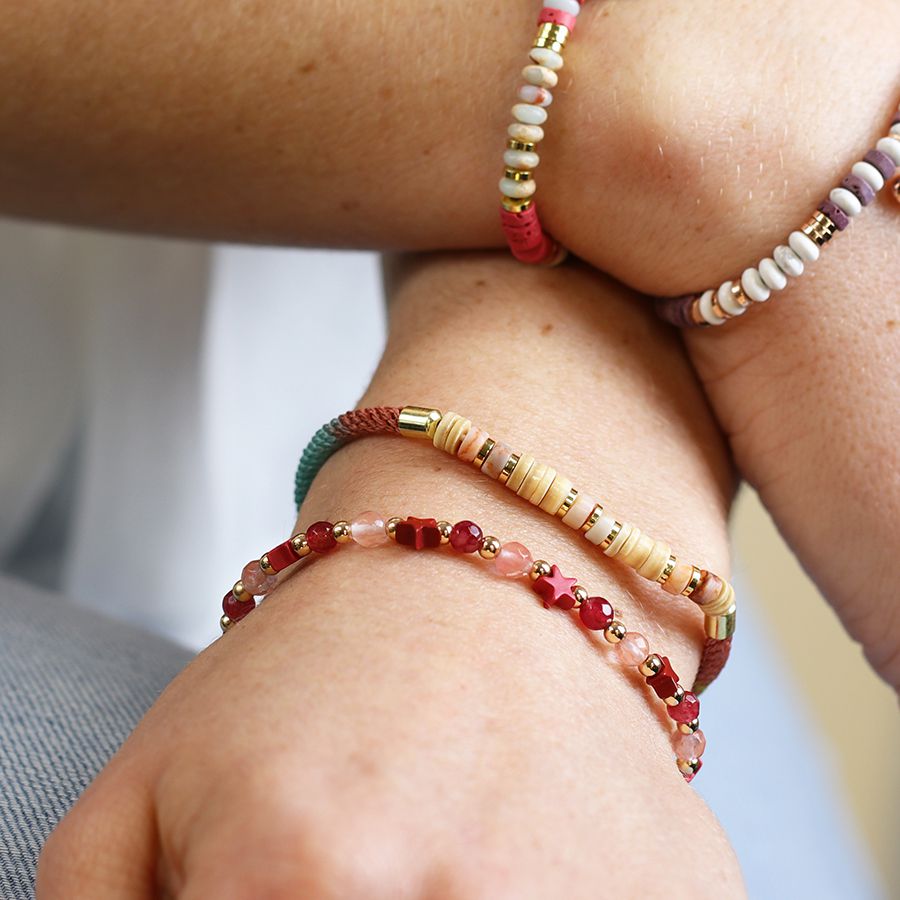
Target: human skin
{"points": [[396, 725]]}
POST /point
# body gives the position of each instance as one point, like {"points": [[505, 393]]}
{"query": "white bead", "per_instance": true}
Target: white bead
{"points": [[788, 261], [754, 287], [572, 7], [869, 174], [529, 115], [546, 57], [521, 159], [895, 129], [539, 96], [710, 316], [541, 76], [530, 134], [804, 246], [773, 276], [517, 189], [600, 530], [846, 202], [727, 301], [890, 147]]}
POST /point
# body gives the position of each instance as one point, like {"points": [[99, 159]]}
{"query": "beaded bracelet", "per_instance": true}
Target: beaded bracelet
{"points": [[756, 284], [510, 560], [526, 237], [551, 492]]}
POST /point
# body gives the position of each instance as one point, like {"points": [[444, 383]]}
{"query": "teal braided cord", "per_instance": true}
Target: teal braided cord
{"points": [[322, 446]]}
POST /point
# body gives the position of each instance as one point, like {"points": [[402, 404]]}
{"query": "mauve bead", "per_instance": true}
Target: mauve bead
{"points": [[367, 530], [633, 649], [320, 537], [687, 710], [466, 537], [835, 213], [882, 162], [689, 746], [596, 613], [860, 189], [513, 561], [236, 609], [255, 580]]}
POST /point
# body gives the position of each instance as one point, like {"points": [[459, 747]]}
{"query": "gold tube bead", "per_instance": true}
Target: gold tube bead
{"points": [[483, 453], [668, 570], [568, 503], [526, 146], [419, 421], [721, 626], [819, 228], [696, 575], [552, 36], [518, 174], [592, 519], [508, 469], [516, 204], [607, 542], [737, 293], [717, 309]]}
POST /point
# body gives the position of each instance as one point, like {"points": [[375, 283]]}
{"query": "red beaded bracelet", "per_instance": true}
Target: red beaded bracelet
{"points": [[510, 560]]}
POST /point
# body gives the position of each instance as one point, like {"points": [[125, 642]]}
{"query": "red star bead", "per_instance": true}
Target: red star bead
{"points": [[418, 533], [665, 681], [555, 589]]}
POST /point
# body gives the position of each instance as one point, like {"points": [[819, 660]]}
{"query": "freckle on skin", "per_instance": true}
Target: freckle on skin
{"points": [[891, 324], [349, 205], [546, 329], [480, 283], [307, 68]]}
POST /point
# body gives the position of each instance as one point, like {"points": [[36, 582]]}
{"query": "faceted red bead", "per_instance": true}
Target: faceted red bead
{"points": [[665, 681], [689, 778], [687, 710], [420, 534], [466, 537], [282, 556], [236, 609], [596, 613], [555, 589], [320, 537]]}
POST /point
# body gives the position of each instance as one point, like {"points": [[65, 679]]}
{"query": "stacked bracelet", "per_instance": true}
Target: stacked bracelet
{"points": [[845, 202], [521, 225], [510, 560], [553, 493]]}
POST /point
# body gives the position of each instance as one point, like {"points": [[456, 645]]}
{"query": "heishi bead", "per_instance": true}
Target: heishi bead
{"points": [[601, 529], [538, 96], [367, 530], [535, 475], [774, 278], [868, 173], [890, 147], [521, 159], [448, 421], [689, 746], [510, 188], [708, 590], [845, 201], [632, 649], [727, 301], [679, 579], [496, 460], [687, 710], [473, 442], [860, 189], [579, 511], [529, 134], [572, 7], [619, 541], [536, 498], [466, 537], [255, 580], [788, 261], [803, 246], [882, 162], [540, 76], [543, 56], [523, 467], [636, 549], [556, 495], [839, 218], [705, 306], [320, 537], [754, 287], [513, 561], [456, 435], [528, 114], [655, 564]]}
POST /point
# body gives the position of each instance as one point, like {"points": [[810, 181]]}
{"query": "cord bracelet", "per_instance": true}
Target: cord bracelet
{"points": [[509, 560]]}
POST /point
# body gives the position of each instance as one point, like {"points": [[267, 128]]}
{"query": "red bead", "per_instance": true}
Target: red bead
{"points": [[320, 537], [687, 710], [420, 534], [555, 589], [596, 613], [236, 609], [466, 537], [692, 775], [282, 556], [665, 682]]}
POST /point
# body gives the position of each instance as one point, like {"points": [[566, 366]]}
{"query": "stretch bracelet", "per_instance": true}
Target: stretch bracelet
{"points": [[511, 560], [526, 237], [756, 284], [553, 493]]}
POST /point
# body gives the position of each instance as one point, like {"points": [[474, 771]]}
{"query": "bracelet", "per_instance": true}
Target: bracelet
{"points": [[551, 492], [734, 298], [510, 560], [526, 237]]}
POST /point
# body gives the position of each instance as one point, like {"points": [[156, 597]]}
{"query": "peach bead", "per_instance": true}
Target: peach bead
{"points": [[513, 560], [367, 530], [633, 649], [689, 746], [472, 443]]}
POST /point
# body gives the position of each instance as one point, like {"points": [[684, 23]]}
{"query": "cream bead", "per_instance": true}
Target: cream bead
{"points": [[774, 278], [679, 579], [517, 476], [521, 159], [543, 56], [655, 563], [531, 480], [580, 511], [788, 261], [529, 134], [636, 550], [727, 301], [601, 529], [448, 420], [754, 287], [456, 435], [846, 201], [710, 316], [890, 147], [517, 189], [572, 7], [536, 497], [539, 96], [556, 495], [528, 114], [806, 248], [895, 130], [619, 540], [540, 76], [869, 174]]}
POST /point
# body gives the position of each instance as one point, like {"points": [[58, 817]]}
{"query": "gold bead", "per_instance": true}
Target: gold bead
{"points": [[300, 545], [688, 766], [607, 541], [484, 452], [538, 568], [490, 547], [551, 35], [225, 623], [895, 190], [511, 463], [614, 632], [419, 421], [671, 562], [689, 727], [696, 576], [266, 566], [240, 592], [738, 295], [525, 146], [820, 228], [580, 594], [516, 204], [677, 697], [391, 527], [341, 532], [592, 519], [568, 503], [444, 528], [518, 174], [696, 315], [651, 666]]}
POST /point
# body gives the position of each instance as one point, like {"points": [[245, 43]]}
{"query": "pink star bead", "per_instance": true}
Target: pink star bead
{"points": [[555, 589]]}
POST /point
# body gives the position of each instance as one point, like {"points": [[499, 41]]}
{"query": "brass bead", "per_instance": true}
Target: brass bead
{"points": [[300, 545], [607, 541], [820, 228], [225, 623], [391, 527], [538, 568], [266, 566], [568, 503], [511, 463], [689, 727], [484, 452], [696, 577], [671, 562], [551, 35], [592, 519], [419, 421], [516, 204], [688, 766], [240, 592], [580, 594], [490, 547], [341, 532], [696, 315], [651, 666], [444, 528], [525, 146], [676, 698], [614, 632], [895, 190], [738, 295], [518, 174]]}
